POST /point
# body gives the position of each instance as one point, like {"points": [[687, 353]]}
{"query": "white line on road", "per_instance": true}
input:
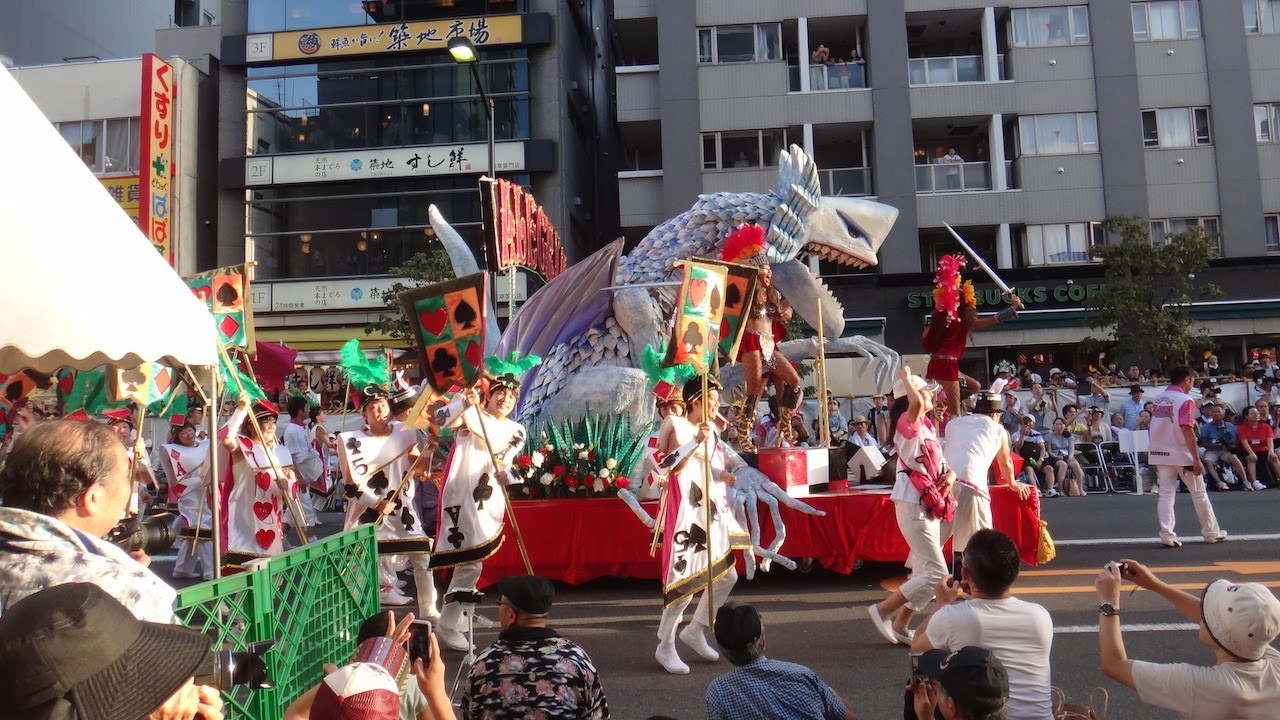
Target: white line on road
{"points": [[1152, 539], [1149, 627]]}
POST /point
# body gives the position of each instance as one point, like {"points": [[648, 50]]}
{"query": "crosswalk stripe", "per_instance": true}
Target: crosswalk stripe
{"points": [[1141, 627]]}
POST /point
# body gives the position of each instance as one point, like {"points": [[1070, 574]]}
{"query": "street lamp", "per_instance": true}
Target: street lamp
{"points": [[463, 52]]}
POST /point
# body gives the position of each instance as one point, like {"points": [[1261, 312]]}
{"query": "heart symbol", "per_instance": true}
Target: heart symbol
{"points": [[472, 354], [265, 538], [263, 510], [435, 321], [246, 445], [697, 289], [262, 480]]}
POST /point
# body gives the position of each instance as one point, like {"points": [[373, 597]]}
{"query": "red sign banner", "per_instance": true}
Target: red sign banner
{"points": [[517, 231], [155, 163]]}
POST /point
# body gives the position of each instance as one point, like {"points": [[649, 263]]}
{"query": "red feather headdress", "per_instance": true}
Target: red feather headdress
{"points": [[745, 246]]}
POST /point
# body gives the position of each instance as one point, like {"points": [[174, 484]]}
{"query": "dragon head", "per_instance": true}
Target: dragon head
{"points": [[849, 231]]}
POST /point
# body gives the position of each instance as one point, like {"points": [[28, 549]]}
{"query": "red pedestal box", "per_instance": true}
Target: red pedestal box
{"points": [[799, 471]]}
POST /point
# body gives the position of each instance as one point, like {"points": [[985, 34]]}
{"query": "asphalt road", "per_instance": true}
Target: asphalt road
{"points": [[817, 618]]}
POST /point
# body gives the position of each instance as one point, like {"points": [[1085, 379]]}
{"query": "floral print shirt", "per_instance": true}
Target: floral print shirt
{"points": [[531, 674]]}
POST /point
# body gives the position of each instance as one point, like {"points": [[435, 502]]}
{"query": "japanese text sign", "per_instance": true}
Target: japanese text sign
{"points": [[155, 182], [382, 38], [126, 193]]}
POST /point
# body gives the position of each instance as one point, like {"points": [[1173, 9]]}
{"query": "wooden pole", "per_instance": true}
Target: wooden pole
{"points": [[707, 447], [824, 419], [511, 511], [211, 417]]}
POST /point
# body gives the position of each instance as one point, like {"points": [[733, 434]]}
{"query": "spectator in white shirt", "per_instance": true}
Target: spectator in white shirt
{"points": [[1237, 622], [305, 457], [1018, 633]]}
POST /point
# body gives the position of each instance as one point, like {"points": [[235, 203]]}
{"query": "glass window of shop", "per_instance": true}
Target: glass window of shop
{"points": [[385, 103], [277, 15], [364, 228]]}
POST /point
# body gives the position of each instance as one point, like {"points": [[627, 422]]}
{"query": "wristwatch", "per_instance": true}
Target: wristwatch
{"points": [[1108, 609]]}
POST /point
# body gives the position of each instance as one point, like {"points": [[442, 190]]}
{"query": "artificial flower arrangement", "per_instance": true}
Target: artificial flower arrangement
{"points": [[588, 458]]}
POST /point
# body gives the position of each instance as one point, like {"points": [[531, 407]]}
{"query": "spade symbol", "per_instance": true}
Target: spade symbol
{"points": [[465, 315], [483, 491], [695, 496], [368, 516], [443, 363], [379, 482], [406, 518], [732, 297], [13, 392], [715, 298], [227, 294], [133, 378], [681, 563], [715, 509], [692, 337]]}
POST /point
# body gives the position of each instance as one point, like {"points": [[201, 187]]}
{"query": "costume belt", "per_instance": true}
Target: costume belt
{"points": [[937, 356]]}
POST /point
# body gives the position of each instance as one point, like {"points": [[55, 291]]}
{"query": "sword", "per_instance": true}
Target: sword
{"points": [[982, 264]]}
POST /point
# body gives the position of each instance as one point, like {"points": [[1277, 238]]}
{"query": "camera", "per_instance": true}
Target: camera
{"points": [[225, 668], [464, 597], [152, 534]]}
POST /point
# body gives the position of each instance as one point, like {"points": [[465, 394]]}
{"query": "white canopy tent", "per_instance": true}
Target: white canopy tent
{"points": [[82, 285]]}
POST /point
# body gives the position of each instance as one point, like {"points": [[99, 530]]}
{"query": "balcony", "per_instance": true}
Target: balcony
{"points": [[950, 70], [847, 76], [845, 182], [956, 177]]}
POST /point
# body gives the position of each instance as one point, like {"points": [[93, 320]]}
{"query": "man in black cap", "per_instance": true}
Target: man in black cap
{"points": [[73, 652], [531, 671], [761, 688], [968, 684]]}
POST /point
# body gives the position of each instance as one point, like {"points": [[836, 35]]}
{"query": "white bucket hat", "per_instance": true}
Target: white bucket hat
{"points": [[917, 382], [1243, 619]]}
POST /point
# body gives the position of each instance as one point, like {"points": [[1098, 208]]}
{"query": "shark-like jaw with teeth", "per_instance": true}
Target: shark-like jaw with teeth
{"points": [[845, 231]]}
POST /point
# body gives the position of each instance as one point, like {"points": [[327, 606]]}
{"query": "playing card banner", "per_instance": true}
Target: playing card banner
{"points": [[699, 310], [146, 384], [739, 294], [224, 290], [447, 324]]}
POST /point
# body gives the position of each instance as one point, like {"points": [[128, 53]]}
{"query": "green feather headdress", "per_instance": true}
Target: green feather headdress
{"points": [[507, 371], [370, 377], [664, 382]]}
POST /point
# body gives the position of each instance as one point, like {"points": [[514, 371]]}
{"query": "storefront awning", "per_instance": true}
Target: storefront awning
{"points": [[1070, 325]]}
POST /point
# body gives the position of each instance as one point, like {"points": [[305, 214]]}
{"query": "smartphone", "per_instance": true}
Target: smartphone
{"points": [[420, 641], [916, 677]]}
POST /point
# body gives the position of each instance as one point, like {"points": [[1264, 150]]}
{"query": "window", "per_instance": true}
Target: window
{"points": [[1058, 134], [1044, 27], [1166, 20], [1264, 122], [1162, 230], [1175, 127], [738, 150], [740, 43], [1272, 225], [1262, 16], [121, 146], [1063, 244]]}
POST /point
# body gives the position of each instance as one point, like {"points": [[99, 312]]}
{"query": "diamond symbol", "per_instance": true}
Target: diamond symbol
{"points": [[229, 327]]}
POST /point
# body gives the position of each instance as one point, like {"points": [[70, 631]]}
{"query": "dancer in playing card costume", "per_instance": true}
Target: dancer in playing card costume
{"points": [[761, 360], [376, 464], [685, 536], [955, 316], [252, 489], [666, 384], [185, 460], [472, 503]]}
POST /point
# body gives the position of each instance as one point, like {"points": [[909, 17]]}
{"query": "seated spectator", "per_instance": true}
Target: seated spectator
{"points": [[1144, 420], [1099, 430], [1117, 423], [1237, 622], [836, 421], [968, 684], [1211, 391], [1256, 440], [1018, 632], [531, 670], [1041, 407], [1011, 416], [879, 419], [1062, 453], [65, 486], [1071, 417], [1090, 393], [73, 651], [866, 459], [761, 688], [859, 434], [1219, 440], [1029, 444]]}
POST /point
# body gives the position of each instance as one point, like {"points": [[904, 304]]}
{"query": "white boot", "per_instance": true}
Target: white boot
{"points": [[394, 597], [669, 659], [694, 636], [452, 639]]}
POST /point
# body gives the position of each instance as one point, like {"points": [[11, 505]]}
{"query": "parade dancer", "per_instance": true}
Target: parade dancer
{"points": [[666, 384], [472, 509], [686, 444], [955, 316], [761, 360], [971, 444], [376, 463], [185, 461], [922, 501], [254, 490]]}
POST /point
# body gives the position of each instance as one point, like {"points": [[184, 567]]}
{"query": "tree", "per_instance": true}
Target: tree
{"points": [[421, 269], [1147, 291]]}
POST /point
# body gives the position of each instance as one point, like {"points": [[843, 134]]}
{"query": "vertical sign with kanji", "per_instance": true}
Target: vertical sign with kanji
{"points": [[155, 184]]}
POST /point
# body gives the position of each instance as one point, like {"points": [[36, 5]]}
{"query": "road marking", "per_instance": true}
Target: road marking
{"points": [[1149, 627], [1237, 567], [1045, 590], [1153, 541]]}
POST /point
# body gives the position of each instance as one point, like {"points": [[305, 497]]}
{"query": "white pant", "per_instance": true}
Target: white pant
{"points": [[465, 577], [187, 557], [674, 613], [306, 503], [973, 513], [923, 535], [1167, 476]]}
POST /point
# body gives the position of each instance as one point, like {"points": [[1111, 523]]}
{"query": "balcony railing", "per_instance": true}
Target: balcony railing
{"points": [[953, 177], [849, 76], [949, 70], [846, 182]]}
